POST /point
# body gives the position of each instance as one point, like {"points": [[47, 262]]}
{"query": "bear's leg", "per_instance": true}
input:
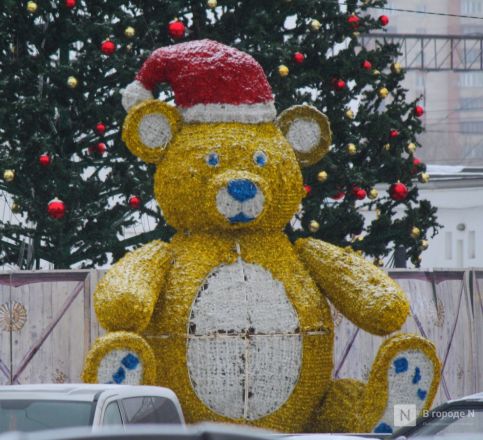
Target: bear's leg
{"points": [[122, 358], [406, 371], [341, 407]]}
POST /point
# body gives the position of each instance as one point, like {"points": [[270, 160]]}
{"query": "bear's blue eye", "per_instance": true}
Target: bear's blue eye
{"points": [[260, 158], [212, 159]]}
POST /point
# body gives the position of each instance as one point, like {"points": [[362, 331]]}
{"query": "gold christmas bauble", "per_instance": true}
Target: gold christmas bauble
{"points": [[383, 92], [416, 260], [8, 175], [415, 232], [411, 147], [423, 177], [72, 82], [379, 262], [351, 149], [373, 193], [314, 226], [396, 68], [32, 7], [376, 72], [424, 244], [212, 4], [322, 176], [15, 208], [283, 70], [129, 32], [349, 114], [387, 146], [315, 25]]}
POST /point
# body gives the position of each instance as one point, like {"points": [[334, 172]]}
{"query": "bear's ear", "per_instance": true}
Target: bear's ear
{"points": [[307, 131], [148, 129]]}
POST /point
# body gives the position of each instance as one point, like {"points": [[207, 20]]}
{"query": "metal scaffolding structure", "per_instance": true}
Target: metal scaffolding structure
{"points": [[433, 53]]}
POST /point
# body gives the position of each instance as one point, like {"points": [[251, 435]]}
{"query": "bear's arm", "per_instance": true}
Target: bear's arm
{"points": [[125, 297], [359, 290]]}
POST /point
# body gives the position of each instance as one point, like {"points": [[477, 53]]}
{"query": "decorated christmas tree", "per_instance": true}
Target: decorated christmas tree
{"points": [[75, 187]]}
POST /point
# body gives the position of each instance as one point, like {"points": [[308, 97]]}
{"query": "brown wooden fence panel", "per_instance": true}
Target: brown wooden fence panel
{"points": [[5, 334], [478, 312], [50, 325], [47, 324]]}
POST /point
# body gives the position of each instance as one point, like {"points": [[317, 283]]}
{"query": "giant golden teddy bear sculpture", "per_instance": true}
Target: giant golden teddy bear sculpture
{"points": [[230, 314]]}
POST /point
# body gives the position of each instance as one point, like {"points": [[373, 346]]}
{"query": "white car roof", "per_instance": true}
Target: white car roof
{"points": [[79, 392]]}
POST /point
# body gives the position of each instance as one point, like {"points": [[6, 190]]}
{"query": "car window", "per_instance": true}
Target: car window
{"points": [[452, 421], [36, 415], [112, 415], [150, 410]]}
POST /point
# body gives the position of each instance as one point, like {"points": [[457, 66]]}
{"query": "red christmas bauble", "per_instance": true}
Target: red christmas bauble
{"points": [[353, 20], [70, 3], [176, 29], [101, 148], [108, 47], [338, 195], [56, 208], [339, 84], [367, 65], [416, 163], [100, 128], [418, 111], [394, 133], [307, 189], [299, 57], [398, 191], [45, 160], [134, 202], [384, 20], [359, 193]]}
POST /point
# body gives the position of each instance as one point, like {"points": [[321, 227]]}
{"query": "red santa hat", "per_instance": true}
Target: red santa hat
{"points": [[211, 83]]}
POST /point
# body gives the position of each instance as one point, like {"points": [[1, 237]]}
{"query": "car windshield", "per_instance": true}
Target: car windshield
{"points": [[452, 421], [36, 415]]}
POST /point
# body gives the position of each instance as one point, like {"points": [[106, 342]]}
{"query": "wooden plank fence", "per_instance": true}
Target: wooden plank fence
{"points": [[47, 325]]}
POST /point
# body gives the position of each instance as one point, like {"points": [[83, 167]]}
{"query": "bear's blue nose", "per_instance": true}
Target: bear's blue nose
{"points": [[242, 189]]}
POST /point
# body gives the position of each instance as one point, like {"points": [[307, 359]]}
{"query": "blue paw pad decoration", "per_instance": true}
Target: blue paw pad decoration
{"points": [[119, 376], [401, 365], [422, 394], [383, 428], [130, 361], [417, 376]]}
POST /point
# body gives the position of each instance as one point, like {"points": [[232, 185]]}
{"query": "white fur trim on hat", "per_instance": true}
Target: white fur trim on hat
{"points": [[245, 113], [134, 93]]}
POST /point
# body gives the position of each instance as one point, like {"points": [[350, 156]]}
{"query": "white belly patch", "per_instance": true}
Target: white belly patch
{"points": [[244, 345]]}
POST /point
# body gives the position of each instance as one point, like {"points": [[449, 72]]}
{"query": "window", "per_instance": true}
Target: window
{"points": [[150, 410], [448, 238], [471, 103], [473, 149], [472, 127], [36, 415], [112, 415], [471, 245], [471, 79], [471, 6], [420, 80]]}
